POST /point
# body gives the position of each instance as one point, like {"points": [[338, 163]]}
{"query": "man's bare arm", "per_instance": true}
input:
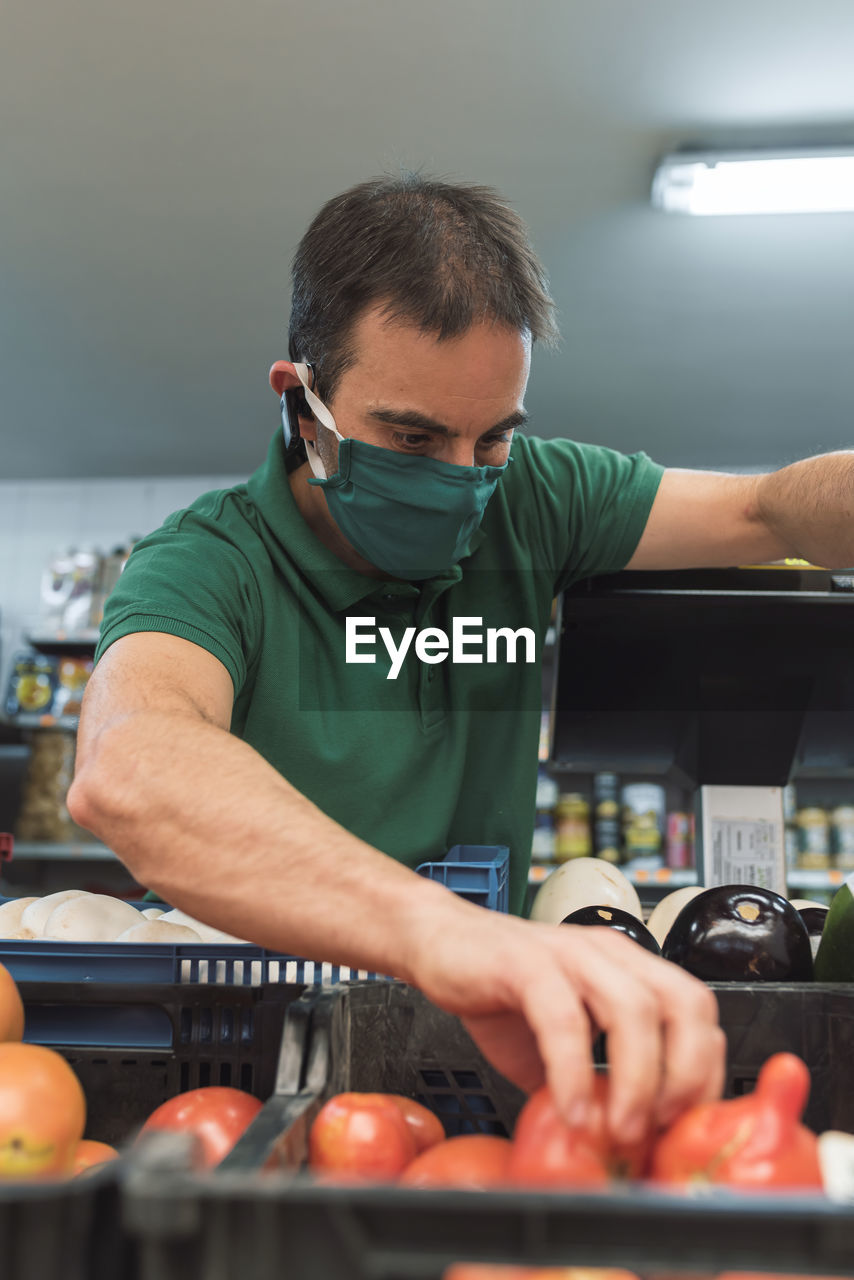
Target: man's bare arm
{"points": [[204, 820], [707, 518]]}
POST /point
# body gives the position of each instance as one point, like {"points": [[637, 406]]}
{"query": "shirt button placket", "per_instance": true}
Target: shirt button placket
{"points": [[431, 685]]}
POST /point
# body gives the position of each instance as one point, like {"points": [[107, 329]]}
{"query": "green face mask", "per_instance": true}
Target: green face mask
{"points": [[412, 517]]}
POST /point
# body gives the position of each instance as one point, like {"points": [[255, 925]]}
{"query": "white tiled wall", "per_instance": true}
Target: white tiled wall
{"points": [[38, 518]]}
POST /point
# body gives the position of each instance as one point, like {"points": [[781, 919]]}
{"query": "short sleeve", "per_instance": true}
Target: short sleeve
{"points": [[189, 579], [586, 505]]}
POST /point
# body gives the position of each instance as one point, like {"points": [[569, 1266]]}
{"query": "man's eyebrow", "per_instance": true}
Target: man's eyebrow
{"points": [[416, 421]]}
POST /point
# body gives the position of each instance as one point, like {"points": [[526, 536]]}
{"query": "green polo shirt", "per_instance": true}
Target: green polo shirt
{"points": [[446, 753]]}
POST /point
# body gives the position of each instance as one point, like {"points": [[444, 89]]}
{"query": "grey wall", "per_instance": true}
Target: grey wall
{"points": [[160, 162]]}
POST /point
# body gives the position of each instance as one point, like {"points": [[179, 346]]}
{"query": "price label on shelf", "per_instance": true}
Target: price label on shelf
{"points": [[743, 837], [744, 852]]}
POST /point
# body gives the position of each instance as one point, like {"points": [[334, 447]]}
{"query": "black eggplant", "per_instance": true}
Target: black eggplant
{"points": [[740, 933], [614, 918], [814, 918]]}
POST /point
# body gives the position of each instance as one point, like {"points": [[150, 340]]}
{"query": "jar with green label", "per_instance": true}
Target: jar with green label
{"points": [[573, 837]]}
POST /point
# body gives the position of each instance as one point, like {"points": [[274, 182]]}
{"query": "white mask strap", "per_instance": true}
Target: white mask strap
{"points": [[322, 415]]}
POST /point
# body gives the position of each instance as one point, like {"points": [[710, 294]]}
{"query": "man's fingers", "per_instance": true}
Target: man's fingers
{"points": [[507, 1040], [557, 1017], [695, 1056], [628, 1011], [665, 1048]]}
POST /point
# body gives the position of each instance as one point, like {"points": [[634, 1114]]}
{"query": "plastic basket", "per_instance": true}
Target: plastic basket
{"points": [[194, 963], [385, 1036], [131, 1050], [134, 1048], [64, 1232], [477, 872]]}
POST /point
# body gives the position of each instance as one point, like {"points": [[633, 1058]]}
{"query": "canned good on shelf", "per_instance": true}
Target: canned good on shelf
{"points": [[680, 840], [643, 819], [842, 836], [573, 836], [813, 824]]}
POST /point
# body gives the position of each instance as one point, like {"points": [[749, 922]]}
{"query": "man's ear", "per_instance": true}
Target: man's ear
{"points": [[283, 377]]}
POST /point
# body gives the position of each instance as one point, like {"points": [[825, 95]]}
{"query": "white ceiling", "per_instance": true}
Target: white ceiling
{"points": [[159, 162]]}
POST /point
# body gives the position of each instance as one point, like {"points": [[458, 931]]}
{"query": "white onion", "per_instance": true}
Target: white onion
{"points": [[584, 882], [10, 918], [94, 917], [158, 931], [666, 911], [36, 915]]}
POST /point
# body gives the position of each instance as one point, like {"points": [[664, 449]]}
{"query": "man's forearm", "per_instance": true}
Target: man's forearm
{"points": [[202, 819], [810, 507]]}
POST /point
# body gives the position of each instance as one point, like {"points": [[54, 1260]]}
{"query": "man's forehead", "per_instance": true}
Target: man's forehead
{"points": [[487, 361]]}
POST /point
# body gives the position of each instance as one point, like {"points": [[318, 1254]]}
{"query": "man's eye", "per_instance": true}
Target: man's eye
{"points": [[490, 442], [411, 439]]}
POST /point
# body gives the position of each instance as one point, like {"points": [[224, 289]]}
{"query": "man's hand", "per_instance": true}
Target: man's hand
{"points": [[533, 996]]}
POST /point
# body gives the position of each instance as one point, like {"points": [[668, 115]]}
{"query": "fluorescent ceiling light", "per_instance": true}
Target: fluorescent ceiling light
{"points": [[819, 180]]}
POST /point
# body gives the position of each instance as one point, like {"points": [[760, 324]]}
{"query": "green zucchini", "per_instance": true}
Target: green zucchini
{"points": [[834, 961]]}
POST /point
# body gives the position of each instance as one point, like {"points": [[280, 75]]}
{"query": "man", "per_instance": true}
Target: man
{"points": [[257, 772]]}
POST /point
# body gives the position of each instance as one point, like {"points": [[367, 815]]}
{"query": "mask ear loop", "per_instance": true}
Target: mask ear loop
{"points": [[322, 414]]}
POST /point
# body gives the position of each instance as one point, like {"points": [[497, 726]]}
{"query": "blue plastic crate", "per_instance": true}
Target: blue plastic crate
{"points": [[479, 873], [187, 963], [194, 963]]}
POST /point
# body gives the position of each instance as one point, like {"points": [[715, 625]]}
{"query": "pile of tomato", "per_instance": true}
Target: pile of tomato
{"points": [[756, 1141]]}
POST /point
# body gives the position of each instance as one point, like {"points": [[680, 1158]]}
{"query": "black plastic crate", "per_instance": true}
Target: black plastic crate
{"points": [[131, 1048], [65, 1231], [261, 1214], [814, 1021], [134, 1047]]}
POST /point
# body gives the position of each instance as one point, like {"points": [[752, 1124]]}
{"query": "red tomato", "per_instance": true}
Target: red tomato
{"points": [[360, 1135], [764, 1275], [623, 1160], [498, 1271], [755, 1142], [42, 1112], [473, 1161], [425, 1127], [492, 1271], [548, 1153], [217, 1115], [11, 1008], [91, 1154]]}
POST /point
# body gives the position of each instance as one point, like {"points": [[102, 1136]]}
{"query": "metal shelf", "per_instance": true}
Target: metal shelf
{"points": [[668, 878], [48, 851], [804, 878], [64, 642], [38, 720]]}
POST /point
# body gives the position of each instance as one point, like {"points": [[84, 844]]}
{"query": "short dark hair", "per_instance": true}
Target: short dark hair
{"points": [[439, 255]]}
